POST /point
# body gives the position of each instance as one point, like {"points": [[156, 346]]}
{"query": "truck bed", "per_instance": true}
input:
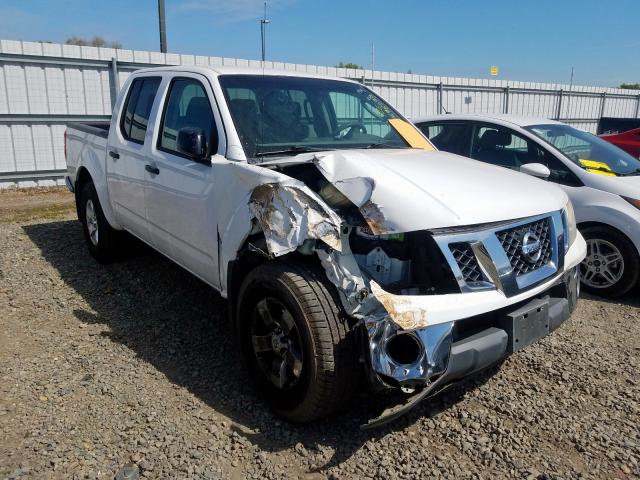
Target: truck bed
{"points": [[84, 137], [96, 128]]}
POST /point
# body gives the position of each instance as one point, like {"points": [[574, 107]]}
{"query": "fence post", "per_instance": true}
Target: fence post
{"points": [[638, 107], [506, 99], [602, 102], [114, 82], [440, 106], [559, 106]]}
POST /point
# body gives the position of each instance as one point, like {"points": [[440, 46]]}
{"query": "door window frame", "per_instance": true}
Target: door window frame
{"points": [[213, 92], [160, 127]]}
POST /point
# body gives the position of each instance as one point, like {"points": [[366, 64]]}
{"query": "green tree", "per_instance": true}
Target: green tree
{"points": [[355, 66], [94, 42], [631, 86]]}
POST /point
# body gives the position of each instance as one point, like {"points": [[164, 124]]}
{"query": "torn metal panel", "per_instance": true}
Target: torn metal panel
{"points": [[344, 272], [289, 215], [358, 189], [374, 217], [236, 184]]}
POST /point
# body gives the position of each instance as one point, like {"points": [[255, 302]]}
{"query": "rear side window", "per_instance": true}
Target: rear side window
{"points": [[138, 107], [187, 106]]}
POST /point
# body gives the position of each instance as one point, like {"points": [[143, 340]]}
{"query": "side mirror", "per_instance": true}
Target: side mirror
{"points": [[192, 142], [536, 170]]}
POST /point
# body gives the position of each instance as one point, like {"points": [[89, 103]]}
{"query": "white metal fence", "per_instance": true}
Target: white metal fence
{"points": [[44, 85]]}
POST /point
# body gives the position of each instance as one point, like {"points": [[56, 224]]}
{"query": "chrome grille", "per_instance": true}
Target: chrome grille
{"points": [[467, 262], [512, 239]]}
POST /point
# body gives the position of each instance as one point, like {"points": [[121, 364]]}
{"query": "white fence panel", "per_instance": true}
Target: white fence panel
{"points": [[43, 86]]}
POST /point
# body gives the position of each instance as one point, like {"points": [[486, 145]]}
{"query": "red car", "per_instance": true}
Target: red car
{"points": [[628, 141]]}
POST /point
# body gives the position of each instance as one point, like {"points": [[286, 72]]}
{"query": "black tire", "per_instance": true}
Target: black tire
{"points": [[330, 373], [105, 246], [628, 278]]}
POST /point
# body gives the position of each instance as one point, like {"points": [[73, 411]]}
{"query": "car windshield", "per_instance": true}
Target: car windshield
{"points": [[281, 115], [587, 150]]}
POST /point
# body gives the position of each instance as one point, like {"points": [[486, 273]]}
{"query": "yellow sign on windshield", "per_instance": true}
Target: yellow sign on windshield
{"points": [[410, 134], [594, 166]]}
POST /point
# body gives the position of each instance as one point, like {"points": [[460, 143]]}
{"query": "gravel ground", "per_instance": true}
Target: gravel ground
{"points": [[132, 365]]}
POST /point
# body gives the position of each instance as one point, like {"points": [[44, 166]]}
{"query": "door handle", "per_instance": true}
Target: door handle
{"points": [[114, 155], [152, 169]]}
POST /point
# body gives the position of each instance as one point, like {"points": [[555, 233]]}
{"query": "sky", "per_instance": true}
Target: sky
{"points": [[530, 40]]}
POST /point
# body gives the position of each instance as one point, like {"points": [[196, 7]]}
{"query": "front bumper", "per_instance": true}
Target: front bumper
{"points": [[457, 349]]}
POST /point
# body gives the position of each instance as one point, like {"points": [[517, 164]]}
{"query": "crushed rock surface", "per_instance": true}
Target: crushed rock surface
{"points": [[131, 368]]}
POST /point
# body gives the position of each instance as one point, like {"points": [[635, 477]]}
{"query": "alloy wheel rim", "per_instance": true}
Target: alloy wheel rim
{"points": [[276, 343], [604, 265], [91, 220]]}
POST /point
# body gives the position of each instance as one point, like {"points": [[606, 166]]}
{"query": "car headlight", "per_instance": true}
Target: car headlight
{"points": [[633, 201], [569, 223]]}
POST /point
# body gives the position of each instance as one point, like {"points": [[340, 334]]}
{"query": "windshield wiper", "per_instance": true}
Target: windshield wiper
{"points": [[293, 150], [632, 173], [382, 145]]}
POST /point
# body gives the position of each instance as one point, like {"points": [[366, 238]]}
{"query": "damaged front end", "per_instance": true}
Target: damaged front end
{"points": [[431, 305], [375, 272]]}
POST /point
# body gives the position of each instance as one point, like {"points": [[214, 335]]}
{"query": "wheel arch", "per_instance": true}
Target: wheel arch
{"points": [[592, 224], [249, 257], [90, 171], [620, 287]]}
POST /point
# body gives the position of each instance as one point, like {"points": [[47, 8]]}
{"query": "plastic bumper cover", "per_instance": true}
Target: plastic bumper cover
{"points": [[467, 354]]}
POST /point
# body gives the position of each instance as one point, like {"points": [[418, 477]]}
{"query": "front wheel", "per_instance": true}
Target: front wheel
{"points": [[298, 347], [611, 266]]}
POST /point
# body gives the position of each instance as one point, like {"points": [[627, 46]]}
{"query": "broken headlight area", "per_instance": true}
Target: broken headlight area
{"points": [[403, 263]]}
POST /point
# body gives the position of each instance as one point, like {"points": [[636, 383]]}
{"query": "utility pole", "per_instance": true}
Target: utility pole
{"points": [[263, 30], [163, 28], [571, 82]]}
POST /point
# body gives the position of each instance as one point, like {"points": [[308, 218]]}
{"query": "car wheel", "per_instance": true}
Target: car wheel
{"points": [[611, 266], [297, 345], [102, 240]]}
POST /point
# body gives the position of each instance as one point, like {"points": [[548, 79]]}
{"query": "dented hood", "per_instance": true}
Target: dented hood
{"points": [[414, 189]]}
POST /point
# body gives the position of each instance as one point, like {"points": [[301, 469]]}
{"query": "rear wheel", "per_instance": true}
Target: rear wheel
{"points": [[611, 266], [298, 348], [102, 240]]}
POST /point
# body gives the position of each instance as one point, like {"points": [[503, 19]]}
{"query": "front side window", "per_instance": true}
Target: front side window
{"points": [[447, 136], [587, 150], [503, 147], [280, 115], [138, 107], [187, 106]]}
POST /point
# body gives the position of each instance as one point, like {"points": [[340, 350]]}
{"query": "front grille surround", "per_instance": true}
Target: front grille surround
{"points": [[491, 257]]}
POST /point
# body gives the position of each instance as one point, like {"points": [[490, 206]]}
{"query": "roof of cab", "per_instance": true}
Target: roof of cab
{"points": [[233, 70], [500, 118]]}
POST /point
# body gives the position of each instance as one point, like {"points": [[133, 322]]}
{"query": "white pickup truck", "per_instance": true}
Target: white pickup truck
{"points": [[348, 247]]}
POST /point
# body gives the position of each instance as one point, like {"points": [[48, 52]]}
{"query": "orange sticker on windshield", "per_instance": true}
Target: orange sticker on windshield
{"points": [[410, 134]]}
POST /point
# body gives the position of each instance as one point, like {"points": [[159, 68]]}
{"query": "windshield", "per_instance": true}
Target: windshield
{"points": [[280, 115], [587, 150]]}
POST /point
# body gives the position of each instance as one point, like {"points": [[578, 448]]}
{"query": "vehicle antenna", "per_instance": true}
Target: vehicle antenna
{"points": [[263, 31]]}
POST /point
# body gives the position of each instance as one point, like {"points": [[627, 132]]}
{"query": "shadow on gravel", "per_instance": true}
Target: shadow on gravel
{"points": [[178, 324], [631, 299]]}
